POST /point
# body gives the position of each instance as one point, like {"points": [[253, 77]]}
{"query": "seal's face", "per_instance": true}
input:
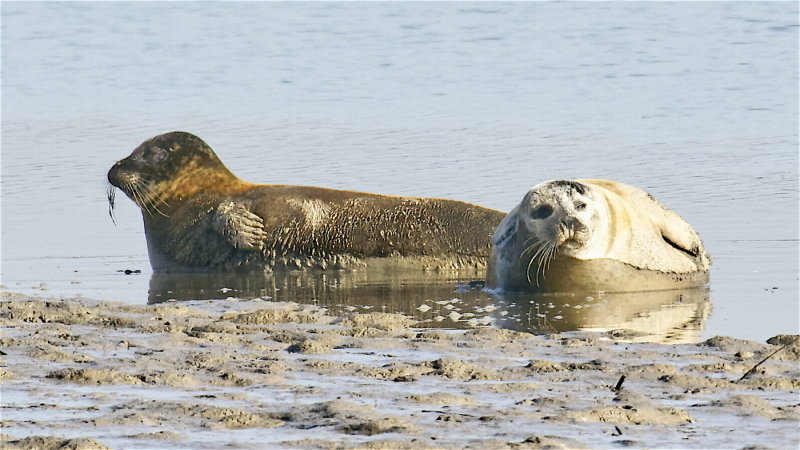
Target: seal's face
{"points": [[559, 213], [161, 167], [559, 217]]}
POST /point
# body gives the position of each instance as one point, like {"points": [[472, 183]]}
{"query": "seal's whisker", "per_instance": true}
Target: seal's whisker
{"points": [[537, 256], [548, 259], [145, 177], [526, 250], [153, 199], [135, 193], [544, 262], [128, 187], [139, 199], [532, 238], [540, 263], [530, 263], [145, 199], [153, 205], [528, 272], [160, 199], [532, 247]]}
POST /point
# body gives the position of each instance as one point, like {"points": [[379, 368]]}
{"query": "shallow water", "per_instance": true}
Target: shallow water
{"points": [[695, 102]]}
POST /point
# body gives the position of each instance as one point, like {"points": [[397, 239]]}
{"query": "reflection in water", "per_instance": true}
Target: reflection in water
{"points": [[671, 316], [675, 316]]}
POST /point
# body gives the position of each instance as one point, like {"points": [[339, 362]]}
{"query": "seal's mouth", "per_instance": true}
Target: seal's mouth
{"points": [[114, 174], [566, 237], [571, 244], [571, 235], [138, 187]]}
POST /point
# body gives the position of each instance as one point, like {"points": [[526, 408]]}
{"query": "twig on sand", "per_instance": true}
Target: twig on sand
{"points": [[753, 369], [619, 383], [446, 412]]}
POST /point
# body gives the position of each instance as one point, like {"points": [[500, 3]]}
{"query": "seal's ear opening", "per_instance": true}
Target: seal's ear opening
{"points": [[111, 192]]}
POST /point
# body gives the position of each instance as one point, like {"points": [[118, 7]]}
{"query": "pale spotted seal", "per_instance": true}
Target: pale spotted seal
{"points": [[594, 235], [199, 216]]}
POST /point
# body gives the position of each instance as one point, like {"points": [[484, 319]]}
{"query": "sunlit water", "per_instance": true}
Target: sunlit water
{"points": [[695, 102]]}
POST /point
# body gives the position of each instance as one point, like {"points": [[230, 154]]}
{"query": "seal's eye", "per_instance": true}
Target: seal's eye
{"points": [[580, 206], [541, 212], [155, 154]]}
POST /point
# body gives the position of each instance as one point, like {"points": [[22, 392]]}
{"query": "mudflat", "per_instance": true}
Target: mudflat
{"points": [[258, 374]]}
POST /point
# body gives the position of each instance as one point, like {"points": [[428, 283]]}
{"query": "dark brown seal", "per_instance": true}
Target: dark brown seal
{"points": [[199, 216]]}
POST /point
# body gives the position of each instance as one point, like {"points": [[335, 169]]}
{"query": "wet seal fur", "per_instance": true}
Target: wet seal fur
{"points": [[198, 216], [590, 235]]}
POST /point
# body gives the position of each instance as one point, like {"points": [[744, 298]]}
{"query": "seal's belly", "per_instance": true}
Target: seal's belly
{"points": [[567, 274]]}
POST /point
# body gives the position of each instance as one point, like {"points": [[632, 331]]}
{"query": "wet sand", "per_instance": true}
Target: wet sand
{"points": [[80, 373]]}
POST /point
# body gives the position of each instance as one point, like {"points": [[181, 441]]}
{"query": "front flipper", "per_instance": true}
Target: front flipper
{"points": [[240, 226], [674, 229]]}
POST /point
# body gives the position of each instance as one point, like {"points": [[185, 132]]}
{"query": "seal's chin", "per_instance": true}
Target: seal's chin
{"points": [[571, 247], [572, 236]]}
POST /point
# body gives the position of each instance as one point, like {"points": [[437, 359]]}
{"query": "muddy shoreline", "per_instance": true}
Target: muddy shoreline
{"points": [[260, 374]]}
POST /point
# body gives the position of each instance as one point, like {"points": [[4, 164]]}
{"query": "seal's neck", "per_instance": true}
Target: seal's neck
{"points": [[202, 180]]}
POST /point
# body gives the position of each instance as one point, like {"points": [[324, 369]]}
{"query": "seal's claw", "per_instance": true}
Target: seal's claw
{"points": [[240, 226]]}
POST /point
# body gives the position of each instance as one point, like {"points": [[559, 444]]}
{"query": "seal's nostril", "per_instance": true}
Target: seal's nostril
{"points": [[113, 173]]}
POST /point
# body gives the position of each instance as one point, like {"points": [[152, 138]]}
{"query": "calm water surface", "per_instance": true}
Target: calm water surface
{"points": [[695, 102]]}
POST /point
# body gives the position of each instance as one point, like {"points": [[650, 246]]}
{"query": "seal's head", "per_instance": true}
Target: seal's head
{"points": [[559, 214], [554, 217], [168, 166]]}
